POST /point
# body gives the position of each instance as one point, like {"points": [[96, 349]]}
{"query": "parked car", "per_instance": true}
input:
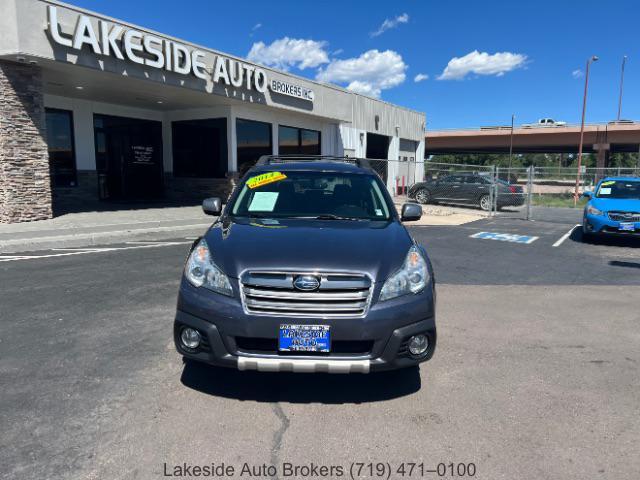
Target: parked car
{"points": [[467, 189], [292, 277], [545, 122], [613, 208]]}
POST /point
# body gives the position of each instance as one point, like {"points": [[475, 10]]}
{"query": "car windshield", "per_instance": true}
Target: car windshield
{"points": [[312, 194], [620, 189]]}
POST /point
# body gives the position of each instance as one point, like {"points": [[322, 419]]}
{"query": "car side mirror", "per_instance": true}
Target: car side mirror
{"points": [[411, 212], [212, 206], [587, 194]]}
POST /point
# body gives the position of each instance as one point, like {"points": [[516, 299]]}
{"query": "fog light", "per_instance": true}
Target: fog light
{"points": [[190, 338], [418, 344]]}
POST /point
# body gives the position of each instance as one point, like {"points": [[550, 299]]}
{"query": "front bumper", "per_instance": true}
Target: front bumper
{"points": [[597, 224], [233, 338]]}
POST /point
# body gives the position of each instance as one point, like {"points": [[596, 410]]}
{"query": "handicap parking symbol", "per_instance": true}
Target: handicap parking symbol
{"points": [[505, 237]]}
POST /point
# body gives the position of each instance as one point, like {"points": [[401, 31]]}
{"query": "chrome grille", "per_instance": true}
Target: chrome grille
{"points": [[273, 293], [624, 216]]}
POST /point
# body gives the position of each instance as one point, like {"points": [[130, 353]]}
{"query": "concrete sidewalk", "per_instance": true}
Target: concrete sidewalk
{"points": [[93, 228], [157, 223]]}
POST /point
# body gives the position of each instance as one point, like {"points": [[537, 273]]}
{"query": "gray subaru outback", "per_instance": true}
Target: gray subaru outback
{"points": [[308, 269]]}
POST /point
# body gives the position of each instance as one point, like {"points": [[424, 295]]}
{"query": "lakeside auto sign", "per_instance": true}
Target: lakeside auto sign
{"points": [[116, 40]]}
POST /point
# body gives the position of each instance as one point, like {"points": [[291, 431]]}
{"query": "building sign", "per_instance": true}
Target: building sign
{"points": [[291, 90], [142, 154], [115, 40]]}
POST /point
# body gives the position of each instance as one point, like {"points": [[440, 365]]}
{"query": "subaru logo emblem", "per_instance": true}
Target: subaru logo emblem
{"points": [[306, 283]]}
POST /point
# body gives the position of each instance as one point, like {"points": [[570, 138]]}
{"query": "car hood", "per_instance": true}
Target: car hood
{"points": [[617, 205], [377, 248]]}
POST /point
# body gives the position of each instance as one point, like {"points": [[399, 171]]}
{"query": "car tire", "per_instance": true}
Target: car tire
{"points": [[587, 237], [423, 196], [485, 203]]}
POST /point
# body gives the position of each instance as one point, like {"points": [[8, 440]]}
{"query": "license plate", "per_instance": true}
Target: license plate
{"points": [[627, 227], [304, 338]]}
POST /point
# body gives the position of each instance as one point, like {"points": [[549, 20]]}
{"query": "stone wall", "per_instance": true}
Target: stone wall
{"points": [[177, 191], [25, 187]]}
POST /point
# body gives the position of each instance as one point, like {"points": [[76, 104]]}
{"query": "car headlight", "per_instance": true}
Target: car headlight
{"points": [[413, 277], [591, 210], [202, 272]]}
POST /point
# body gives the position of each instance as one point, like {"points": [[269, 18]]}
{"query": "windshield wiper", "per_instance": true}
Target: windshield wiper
{"points": [[331, 216], [323, 216]]}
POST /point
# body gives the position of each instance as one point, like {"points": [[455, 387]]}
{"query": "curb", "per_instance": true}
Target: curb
{"points": [[102, 238]]}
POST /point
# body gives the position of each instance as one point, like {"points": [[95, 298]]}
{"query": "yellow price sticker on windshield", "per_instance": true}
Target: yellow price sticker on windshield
{"points": [[604, 184], [265, 179]]}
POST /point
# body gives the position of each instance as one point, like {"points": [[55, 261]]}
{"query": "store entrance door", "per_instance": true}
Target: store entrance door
{"points": [[128, 158]]}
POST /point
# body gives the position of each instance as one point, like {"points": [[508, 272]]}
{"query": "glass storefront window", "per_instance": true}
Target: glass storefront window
{"points": [[298, 141], [310, 142], [62, 157], [254, 140], [288, 141], [200, 148]]}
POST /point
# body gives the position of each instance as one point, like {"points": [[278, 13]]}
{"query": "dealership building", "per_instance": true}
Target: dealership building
{"points": [[94, 109]]}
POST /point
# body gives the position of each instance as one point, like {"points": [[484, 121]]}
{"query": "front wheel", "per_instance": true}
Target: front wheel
{"points": [[423, 196], [587, 236], [485, 203]]}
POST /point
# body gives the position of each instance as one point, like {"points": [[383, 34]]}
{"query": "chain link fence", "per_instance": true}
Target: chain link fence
{"points": [[518, 192], [526, 193], [398, 175], [554, 188], [460, 185]]}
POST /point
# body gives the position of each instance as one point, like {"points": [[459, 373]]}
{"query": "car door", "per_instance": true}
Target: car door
{"points": [[448, 188], [475, 186]]}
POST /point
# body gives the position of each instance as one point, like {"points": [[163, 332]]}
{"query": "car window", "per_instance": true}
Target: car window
{"points": [[619, 189], [290, 194], [453, 179]]}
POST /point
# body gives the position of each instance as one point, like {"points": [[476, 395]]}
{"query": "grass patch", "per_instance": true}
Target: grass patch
{"points": [[552, 200]]}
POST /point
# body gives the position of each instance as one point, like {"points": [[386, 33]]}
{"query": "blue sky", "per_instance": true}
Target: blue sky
{"points": [[543, 47]]}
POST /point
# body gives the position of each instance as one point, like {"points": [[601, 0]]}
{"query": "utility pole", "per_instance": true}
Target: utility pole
{"points": [[584, 109], [624, 60]]}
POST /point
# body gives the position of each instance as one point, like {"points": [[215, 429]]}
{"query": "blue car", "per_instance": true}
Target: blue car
{"points": [[613, 208]]}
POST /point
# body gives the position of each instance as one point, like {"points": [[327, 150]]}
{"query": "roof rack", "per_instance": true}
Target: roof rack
{"points": [[271, 159]]}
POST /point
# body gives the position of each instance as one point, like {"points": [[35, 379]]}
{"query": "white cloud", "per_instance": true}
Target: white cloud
{"points": [[286, 52], [369, 74], [388, 24], [420, 77], [254, 28], [577, 73], [337, 52], [481, 63]]}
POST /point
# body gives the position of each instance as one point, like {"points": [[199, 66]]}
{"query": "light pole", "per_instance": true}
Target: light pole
{"points": [[624, 60], [510, 149], [584, 109]]}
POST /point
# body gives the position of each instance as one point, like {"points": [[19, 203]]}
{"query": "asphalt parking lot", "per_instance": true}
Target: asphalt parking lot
{"points": [[535, 375]]}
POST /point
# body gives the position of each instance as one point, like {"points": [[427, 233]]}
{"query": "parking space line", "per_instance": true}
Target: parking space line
{"points": [[565, 236]]}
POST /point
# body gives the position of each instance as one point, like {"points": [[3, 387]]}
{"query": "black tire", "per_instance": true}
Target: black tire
{"points": [[423, 196], [485, 203]]}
